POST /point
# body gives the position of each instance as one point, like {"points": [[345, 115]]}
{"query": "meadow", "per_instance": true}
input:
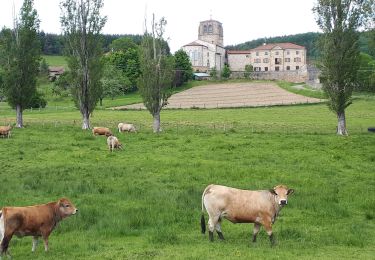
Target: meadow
{"points": [[145, 202]]}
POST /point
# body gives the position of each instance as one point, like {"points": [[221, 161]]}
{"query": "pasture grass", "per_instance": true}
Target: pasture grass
{"points": [[56, 61], [145, 202]]}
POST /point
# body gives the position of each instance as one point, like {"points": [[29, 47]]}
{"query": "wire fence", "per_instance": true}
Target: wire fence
{"points": [[188, 128]]}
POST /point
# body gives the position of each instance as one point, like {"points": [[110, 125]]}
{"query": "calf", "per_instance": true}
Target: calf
{"points": [[113, 143], [5, 131], [37, 221], [101, 131], [243, 206], [123, 127]]}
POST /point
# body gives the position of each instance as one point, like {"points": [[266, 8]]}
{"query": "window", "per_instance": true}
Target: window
{"points": [[298, 59], [278, 61], [205, 29], [277, 53], [287, 59], [265, 68], [257, 53], [287, 67], [247, 56], [210, 29], [256, 60], [277, 68], [287, 53], [266, 53], [265, 60], [256, 68], [297, 67], [297, 52]]}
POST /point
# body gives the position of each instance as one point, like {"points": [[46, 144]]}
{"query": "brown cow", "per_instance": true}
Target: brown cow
{"points": [[37, 221], [5, 131], [242, 206], [101, 131]]}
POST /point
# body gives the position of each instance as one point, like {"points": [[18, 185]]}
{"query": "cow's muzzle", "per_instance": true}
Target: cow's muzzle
{"points": [[283, 202]]}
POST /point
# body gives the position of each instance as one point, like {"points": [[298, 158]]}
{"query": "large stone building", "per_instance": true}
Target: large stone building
{"points": [[208, 52], [269, 57]]}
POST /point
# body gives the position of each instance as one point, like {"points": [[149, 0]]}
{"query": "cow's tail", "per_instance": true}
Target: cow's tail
{"points": [[203, 221]]}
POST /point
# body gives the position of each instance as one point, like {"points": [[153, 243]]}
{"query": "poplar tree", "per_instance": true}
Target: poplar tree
{"points": [[82, 23], [20, 59], [339, 47], [157, 71]]}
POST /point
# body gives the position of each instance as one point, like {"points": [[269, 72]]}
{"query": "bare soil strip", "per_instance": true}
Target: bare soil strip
{"points": [[232, 95]]}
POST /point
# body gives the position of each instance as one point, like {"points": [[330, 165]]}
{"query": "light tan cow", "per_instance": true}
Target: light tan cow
{"points": [[260, 207], [101, 131], [37, 221], [113, 143], [5, 131], [124, 127]]}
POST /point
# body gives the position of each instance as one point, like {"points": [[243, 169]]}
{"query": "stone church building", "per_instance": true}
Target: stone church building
{"points": [[208, 52]]}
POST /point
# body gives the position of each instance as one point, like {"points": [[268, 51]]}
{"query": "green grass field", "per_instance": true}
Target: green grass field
{"points": [[145, 202]]}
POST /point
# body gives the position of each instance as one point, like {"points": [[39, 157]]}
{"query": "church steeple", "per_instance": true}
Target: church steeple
{"points": [[211, 31]]}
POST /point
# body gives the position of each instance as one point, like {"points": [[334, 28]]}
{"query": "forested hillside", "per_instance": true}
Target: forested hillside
{"points": [[52, 44], [305, 39]]}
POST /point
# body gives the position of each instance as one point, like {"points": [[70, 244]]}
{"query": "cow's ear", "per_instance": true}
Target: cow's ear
{"points": [[290, 191], [273, 191]]}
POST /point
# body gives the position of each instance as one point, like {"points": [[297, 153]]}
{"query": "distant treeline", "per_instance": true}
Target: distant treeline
{"points": [[308, 40], [53, 44]]}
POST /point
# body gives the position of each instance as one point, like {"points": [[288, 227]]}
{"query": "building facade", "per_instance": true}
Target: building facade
{"points": [[269, 57], [208, 51]]}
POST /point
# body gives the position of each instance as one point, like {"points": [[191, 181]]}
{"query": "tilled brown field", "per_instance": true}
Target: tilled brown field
{"points": [[232, 95]]}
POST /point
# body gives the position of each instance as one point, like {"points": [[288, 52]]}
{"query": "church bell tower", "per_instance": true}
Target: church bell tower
{"points": [[211, 31]]}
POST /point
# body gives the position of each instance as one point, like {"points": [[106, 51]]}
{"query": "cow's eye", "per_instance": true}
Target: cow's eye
{"points": [[67, 206]]}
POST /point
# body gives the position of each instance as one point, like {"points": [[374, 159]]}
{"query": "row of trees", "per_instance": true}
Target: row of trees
{"points": [[92, 75]]}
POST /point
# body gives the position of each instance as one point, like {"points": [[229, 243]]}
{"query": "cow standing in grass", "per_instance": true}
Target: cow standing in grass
{"points": [[37, 221], [242, 206], [113, 143], [5, 131]]}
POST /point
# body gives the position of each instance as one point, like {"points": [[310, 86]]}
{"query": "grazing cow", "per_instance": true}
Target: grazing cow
{"points": [[113, 143], [242, 206], [37, 221], [123, 127], [5, 131], [101, 131]]}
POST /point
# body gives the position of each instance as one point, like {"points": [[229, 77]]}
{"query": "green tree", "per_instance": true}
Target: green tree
{"points": [[43, 68], [113, 82], [339, 48], [123, 44], [226, 72], [21, 62], [213, 73], [81, 22], [157, 68], [248, 70], [183, 65], [365, 73]]}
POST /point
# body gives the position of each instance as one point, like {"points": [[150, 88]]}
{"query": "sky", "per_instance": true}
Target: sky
{"points": [[243, 20]]}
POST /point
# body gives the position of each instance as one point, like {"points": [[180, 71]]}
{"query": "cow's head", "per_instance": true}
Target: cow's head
{"points": [[281, 193], [66, 208]]}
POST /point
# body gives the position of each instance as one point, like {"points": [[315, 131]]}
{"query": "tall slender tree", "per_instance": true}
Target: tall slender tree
{"points": [[82, 23], [157, 71], [21, 50], [339, 47]]}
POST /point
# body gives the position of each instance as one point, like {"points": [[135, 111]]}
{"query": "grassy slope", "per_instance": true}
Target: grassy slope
{"points": [[144, 202]]}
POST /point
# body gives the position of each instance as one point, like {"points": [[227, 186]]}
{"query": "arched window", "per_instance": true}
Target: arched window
{"points": [[210, 29], [205, 29]]}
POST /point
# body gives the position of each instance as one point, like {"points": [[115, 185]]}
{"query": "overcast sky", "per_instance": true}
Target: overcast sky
{"points": [[243, 20]]}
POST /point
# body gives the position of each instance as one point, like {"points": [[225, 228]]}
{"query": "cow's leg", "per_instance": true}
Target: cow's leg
{"points": [[5, 243], [218, 229], [2, 227], [45, 243], [256, 231], [268, 227], [35, 243], [212, 222]]}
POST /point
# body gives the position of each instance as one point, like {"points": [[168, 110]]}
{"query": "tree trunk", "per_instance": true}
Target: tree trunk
{"points": [[341, 126], [19, 116], [85, 119], [156, 125], [101, 101]]}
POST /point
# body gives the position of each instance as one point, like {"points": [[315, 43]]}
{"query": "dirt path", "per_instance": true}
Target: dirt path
{"points": [[232, 95]]}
